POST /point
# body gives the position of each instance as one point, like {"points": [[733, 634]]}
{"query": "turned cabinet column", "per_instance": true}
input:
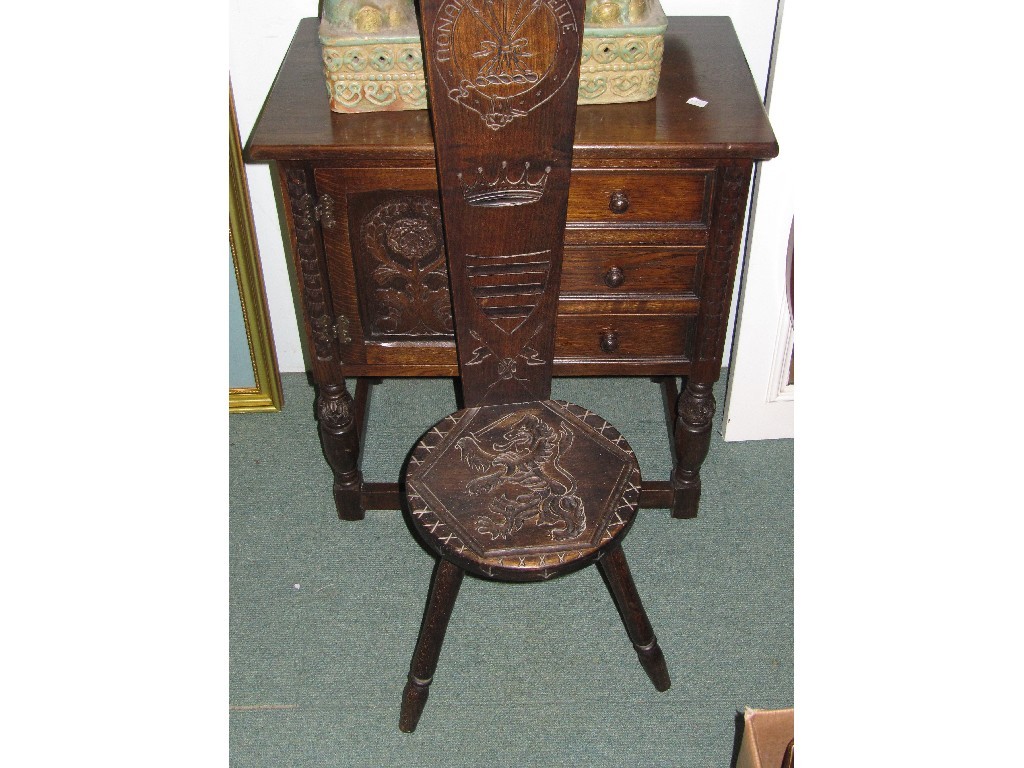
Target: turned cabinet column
{"points": [[335, 411], [695, 406], [694, 409]]}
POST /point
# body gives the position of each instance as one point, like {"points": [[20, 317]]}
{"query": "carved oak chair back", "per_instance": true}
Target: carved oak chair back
{"points": [[503, 77], [514, 486]]}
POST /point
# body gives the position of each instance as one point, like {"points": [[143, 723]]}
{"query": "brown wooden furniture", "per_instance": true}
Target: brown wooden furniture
{"points": [[655, 214], [514, 486]]}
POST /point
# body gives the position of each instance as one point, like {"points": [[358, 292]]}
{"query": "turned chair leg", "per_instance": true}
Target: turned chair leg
{"points": [[620, 581], [443, 591]]}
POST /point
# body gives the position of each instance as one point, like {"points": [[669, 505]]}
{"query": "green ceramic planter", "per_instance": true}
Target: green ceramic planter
{"points": [[373, 59]]}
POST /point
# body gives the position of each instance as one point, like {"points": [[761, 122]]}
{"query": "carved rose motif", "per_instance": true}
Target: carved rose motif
{"points": [[335, 412], [412, 238], [697, 411], [507, 368]]}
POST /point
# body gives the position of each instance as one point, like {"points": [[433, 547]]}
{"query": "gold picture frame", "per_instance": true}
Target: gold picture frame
{"points": [[266, 394]]}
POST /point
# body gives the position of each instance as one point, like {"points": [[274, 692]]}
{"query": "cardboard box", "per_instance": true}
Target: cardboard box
{"points": [[766, 735]]}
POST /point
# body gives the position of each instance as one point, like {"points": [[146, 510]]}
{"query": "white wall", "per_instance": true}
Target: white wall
{"points": [[260, 33]]}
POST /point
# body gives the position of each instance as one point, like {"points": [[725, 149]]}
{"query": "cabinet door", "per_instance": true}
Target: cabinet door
{"points": [[386, 259]]}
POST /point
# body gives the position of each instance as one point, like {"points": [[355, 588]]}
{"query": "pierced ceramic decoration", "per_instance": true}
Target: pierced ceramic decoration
{"points": [[373, 59]]}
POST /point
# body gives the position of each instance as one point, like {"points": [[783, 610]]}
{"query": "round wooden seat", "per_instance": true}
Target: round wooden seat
{"points": [[522, 492]]}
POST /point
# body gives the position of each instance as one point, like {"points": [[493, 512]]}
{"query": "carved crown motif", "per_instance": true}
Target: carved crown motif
{"points": [[503, 190]]}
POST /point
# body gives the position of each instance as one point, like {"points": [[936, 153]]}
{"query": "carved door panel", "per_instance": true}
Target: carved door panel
{"points": [[385, 252], [398, 250]]}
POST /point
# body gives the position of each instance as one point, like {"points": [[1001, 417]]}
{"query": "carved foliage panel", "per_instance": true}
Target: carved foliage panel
{"points": [[398, 248]]}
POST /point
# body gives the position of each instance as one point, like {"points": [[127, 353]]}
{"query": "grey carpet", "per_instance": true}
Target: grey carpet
{"points": [[324, 614]]}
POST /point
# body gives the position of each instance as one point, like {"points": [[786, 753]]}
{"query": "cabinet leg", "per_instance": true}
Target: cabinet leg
{"points": [[339, 436], [694, 409]]}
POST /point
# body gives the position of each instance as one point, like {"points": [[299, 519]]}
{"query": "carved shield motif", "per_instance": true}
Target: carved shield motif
{"points": [[508, 288], [500, 58]]}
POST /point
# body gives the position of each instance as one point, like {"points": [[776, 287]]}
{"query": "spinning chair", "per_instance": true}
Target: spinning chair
{"points": [[515, 486]]}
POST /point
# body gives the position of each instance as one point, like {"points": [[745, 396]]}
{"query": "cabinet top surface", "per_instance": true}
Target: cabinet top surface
{"points": [[702, 58]]}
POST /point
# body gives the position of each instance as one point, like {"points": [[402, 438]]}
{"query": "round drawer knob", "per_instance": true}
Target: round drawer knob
{"points": [[619, 202], [609, 341], [614, 277]]}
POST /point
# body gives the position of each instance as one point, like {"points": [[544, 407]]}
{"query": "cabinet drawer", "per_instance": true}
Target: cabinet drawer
{"points": [[614, 271], [623, 337], [641, 197]]}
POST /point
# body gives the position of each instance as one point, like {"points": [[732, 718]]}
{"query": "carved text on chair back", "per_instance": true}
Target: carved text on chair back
{"points": [[503, 78]]}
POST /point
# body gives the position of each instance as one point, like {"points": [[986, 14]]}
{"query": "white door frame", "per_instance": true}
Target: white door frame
{"points": [[759, 400]]}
